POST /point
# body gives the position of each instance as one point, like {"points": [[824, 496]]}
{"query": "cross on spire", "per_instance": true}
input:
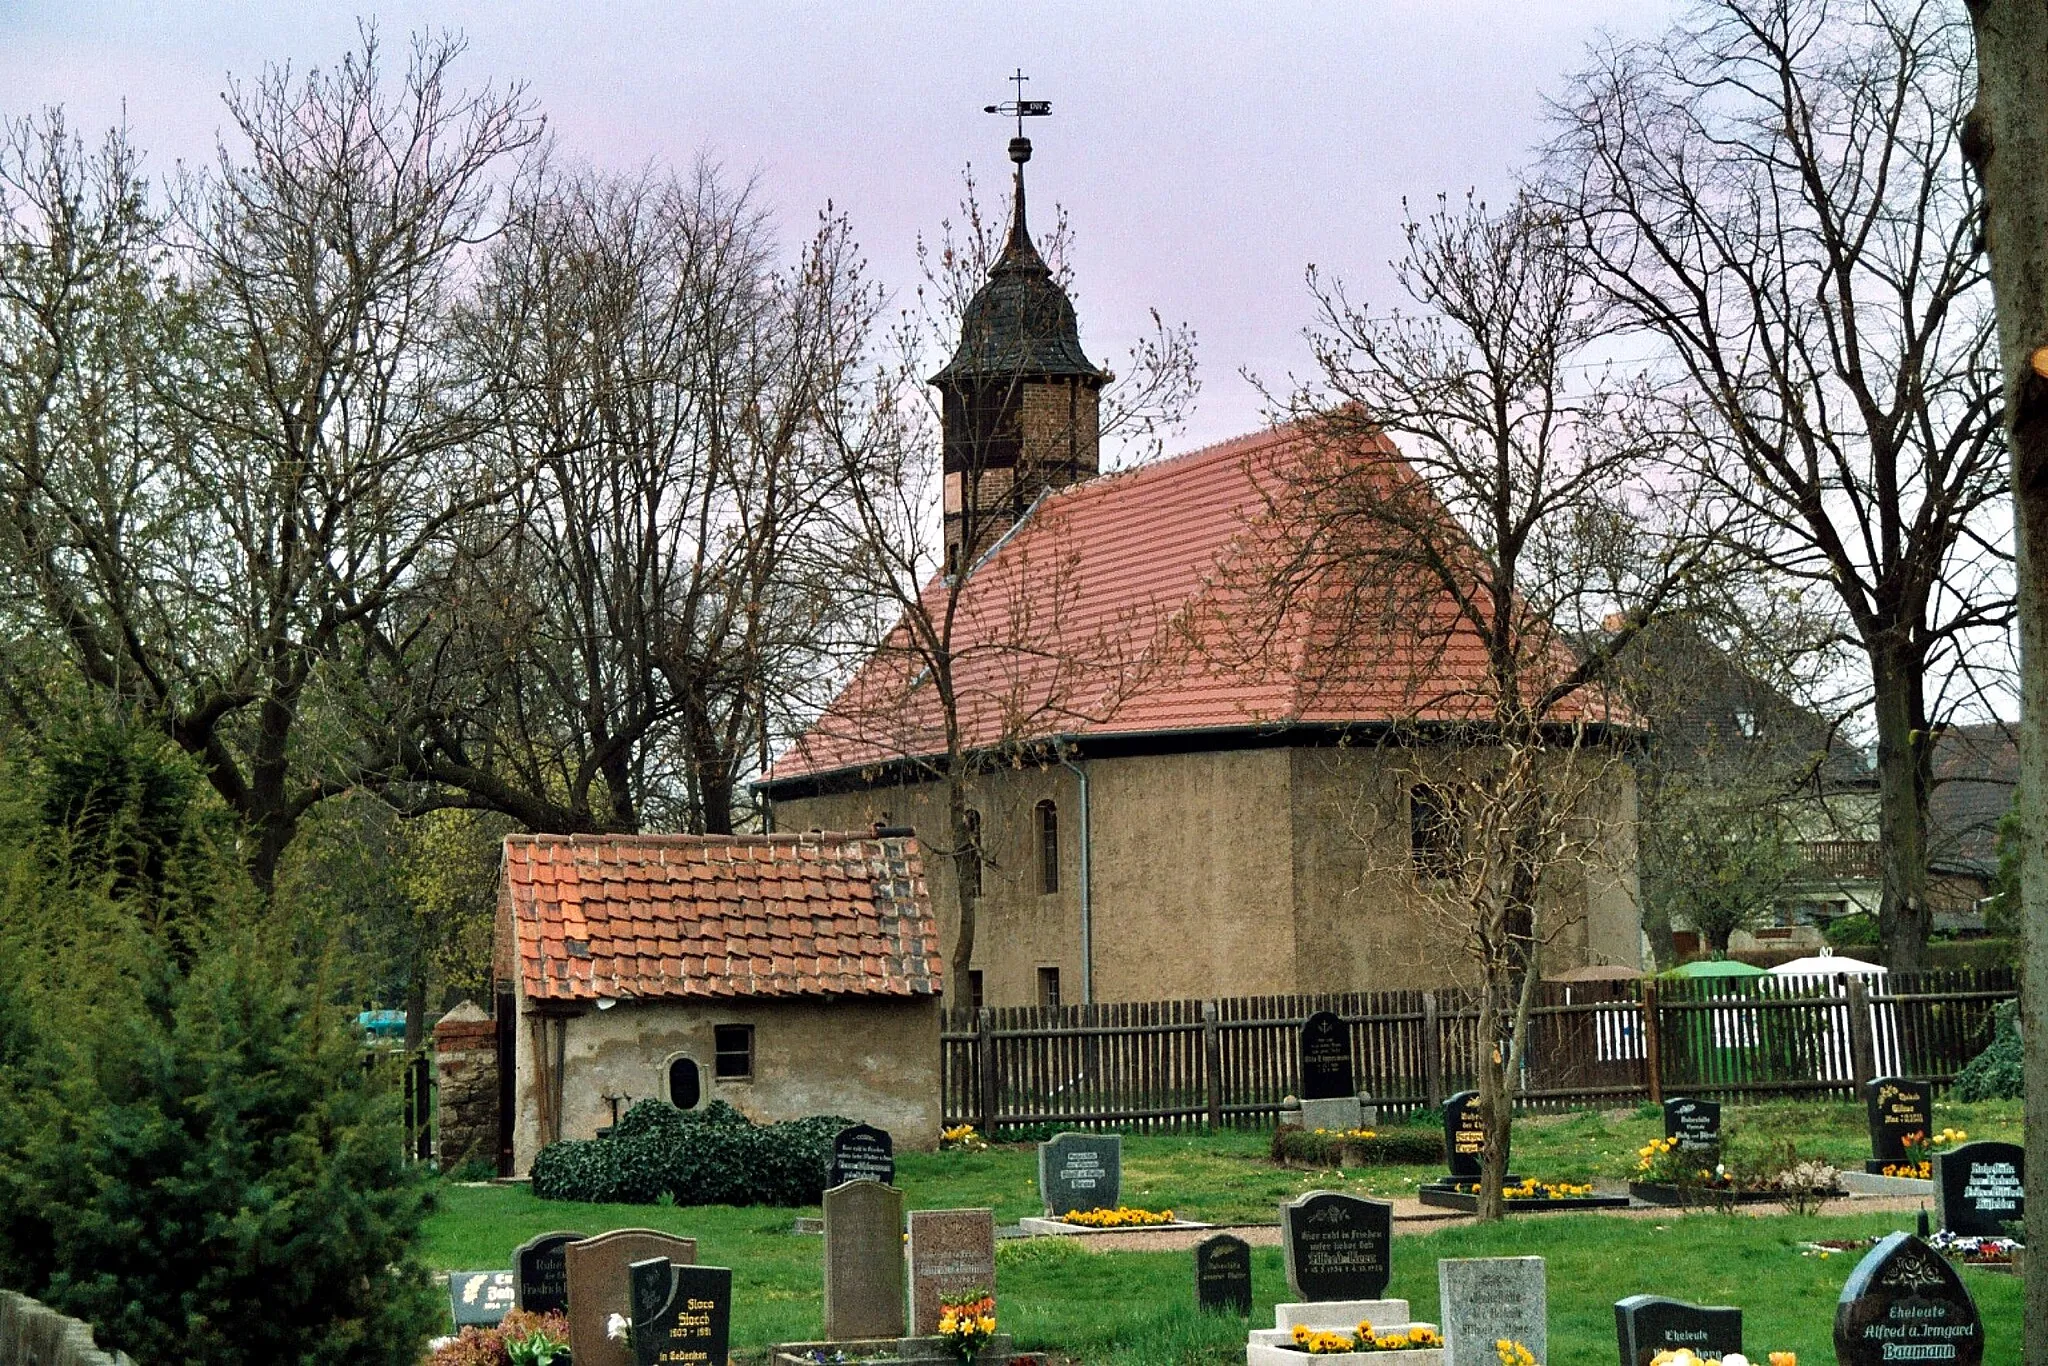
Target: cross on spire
{"points": [[1019, 108]]}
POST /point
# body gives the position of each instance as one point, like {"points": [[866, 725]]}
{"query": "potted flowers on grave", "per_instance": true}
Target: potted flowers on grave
{"points": [[1920, 1150], [1992, 1254], [1670, 1174], [967, 1324], [1409, 1337], [1685, 1356], [1123, 1216]]}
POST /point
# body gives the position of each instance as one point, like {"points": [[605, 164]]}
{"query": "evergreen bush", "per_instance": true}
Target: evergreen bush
{"points": [[1994, 1074], [1396, 1147], [711, 1156]]}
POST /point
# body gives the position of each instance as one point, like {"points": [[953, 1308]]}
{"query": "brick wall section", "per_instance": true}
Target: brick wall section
{"points": [[32, 1332], [466, 1086]]}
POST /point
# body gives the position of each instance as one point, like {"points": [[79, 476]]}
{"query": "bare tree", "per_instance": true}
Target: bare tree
{"points": [[1776, 193], [1472, 570], [245, 441], [2009, 145]]}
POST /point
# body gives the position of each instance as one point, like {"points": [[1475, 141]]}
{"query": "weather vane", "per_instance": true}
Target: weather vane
{"points": [[1020, 108]]}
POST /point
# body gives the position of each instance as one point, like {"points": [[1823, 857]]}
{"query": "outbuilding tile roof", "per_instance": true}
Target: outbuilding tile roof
{"points": [[631, 916], [1134, 604]]}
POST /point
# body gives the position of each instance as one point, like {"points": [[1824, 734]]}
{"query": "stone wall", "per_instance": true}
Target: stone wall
{"points": [[33, 1334], [466, 1087]]}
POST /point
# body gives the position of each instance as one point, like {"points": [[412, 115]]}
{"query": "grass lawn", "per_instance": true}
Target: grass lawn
{"points": [[1136, 1307]]}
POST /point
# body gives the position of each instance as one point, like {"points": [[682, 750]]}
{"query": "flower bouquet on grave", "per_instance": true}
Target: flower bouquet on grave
{"points": [[1685, 1356], [1327, 1342], [967, 1324], [1123, 1216], [1920, 1151], [1973, 1251], [535, 1339], [1663, 1162], [961, 1138]]}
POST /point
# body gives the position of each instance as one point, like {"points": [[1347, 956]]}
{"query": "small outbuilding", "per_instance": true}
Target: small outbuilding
{"points": [[786, 975]]}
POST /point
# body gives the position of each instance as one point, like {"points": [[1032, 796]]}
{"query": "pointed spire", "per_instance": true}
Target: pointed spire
{"points": [[1020, 251]]}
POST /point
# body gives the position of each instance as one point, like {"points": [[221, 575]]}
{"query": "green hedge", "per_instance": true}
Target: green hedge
{"points": [[711, 1156], [1386, 1148], [1994, 1074]]}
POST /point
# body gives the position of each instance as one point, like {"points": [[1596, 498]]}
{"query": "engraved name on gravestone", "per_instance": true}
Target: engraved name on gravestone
{"points": [[541, 1272], [600, 1286], [1696, 1124], [863, 1261], [1326, 1058], [1649, 1324], [1904, 1302], [1464, 1135], [951, 1251], [861, 1152], [1977, 1188], [1486, 1299], [1080, 1172], [1337, 1246], [1223, 1275], [682, 1315], [481, 1298], [1897, 1107]]}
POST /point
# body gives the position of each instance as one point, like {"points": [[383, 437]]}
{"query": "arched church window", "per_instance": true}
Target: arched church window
{"points": [[685, 1087], [1048, 847]]}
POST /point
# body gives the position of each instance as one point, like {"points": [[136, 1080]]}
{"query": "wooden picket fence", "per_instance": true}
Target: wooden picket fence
{"points": [[1232, 1062]]}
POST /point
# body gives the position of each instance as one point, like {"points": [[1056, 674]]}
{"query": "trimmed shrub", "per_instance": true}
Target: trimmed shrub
{"points": [[713, 1156], [1293, 1144], [1994, 1074]]}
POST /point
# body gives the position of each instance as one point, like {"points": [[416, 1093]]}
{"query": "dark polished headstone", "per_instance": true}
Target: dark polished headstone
{"points": [[1338, 1247], [682, 1315], [540, 1270], [1897, 1108], [1223, 1275], [1464, 1135], [1696, 1124], [1904, 1302], [479, 1298], [1326, 1058], [1649, 1324], [861, 1152], [1080, 1172], [1977, 1188]]}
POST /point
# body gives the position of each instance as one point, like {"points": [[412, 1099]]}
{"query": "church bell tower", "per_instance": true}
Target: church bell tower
{"points": [[1020, 401]]}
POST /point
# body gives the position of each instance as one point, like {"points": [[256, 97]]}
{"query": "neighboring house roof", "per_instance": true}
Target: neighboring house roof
{"points": [[1976, 771], [1131, 605], [630, 916]]}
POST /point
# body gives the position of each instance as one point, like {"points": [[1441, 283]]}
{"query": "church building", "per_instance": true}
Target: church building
{"points": [[1177, 792]]}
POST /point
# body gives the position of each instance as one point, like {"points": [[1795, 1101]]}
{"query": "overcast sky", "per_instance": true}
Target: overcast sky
{"points": [[1206, 153]]}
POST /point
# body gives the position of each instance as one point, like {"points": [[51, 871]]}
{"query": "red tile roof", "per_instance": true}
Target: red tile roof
{"points": [[626, 916], [1132, 604]]}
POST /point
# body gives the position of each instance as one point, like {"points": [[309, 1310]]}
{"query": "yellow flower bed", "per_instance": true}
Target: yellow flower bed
{"points": [[961, 1138], [1123, 1216], [1532, 1189], [1347, 1133], [1323, 1342]]}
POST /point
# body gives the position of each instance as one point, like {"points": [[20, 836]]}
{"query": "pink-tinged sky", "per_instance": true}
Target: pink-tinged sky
{"points": [[1206, 152]]}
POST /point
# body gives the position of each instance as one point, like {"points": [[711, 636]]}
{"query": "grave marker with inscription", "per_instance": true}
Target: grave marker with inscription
{"points": [[1223, 1275], [951, 1251], [1464, 1135], [682, 1314], [1338, 1247], [861, 1152], [1696, 1124], [1649, 1324], [863, 1261], [1080, 1172], [479, 1298], [1904, 1302], [1485, 1299], [600, 1285], [542, 1272], [1978, 1188], [1897, 1108], [1326, 1058]]}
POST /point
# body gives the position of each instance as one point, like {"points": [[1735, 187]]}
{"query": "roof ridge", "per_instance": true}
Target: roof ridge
{"points": [[1249, 441]]}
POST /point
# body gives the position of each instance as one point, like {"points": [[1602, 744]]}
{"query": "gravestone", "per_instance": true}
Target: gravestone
{"points": [[600, 1285], [681, 1313], [1080, 1172], [541, 1273], [1649, 1324], [1904, 1302], [480, 1298], [861, 1152], [863, 1261], [1897, 1108], [951, 1251], [1338, 1246], [1977, 1188], [1464, 1135], [1223, 1275], [1326, 1058], [1485, 1299], [1696, 1124]]}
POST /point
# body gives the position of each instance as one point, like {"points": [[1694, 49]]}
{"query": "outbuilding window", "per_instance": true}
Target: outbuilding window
{"points": [[1048, 847], [1048, 986], [685, 1088], [734, 1045]]}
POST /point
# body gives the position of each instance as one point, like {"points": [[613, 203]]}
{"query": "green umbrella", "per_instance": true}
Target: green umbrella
{"points": [[1717, 967]]}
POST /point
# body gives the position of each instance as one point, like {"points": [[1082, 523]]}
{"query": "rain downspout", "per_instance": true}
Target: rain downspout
{"points": [[1087, 900]]}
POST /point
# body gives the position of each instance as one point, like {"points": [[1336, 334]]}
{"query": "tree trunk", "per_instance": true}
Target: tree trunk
{"points": [[1903, 779], [1496, 1102], [2007, 138], [966, 857]]}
